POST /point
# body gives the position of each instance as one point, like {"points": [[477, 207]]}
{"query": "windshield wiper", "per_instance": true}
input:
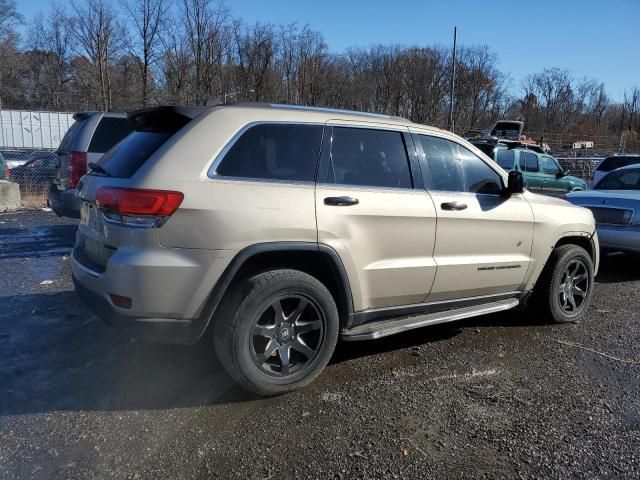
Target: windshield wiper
{"points": [[98, 169]]}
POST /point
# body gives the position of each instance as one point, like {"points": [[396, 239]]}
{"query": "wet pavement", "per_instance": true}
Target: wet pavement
{"points": [[502, 396]]}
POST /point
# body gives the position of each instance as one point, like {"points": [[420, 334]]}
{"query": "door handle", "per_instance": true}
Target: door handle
{"points": [[453, 206], [341, 201]]}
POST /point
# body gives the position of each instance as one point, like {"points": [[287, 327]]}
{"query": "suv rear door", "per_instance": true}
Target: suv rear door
{"points": [[369, 212], [483, 240], [530, 167]]}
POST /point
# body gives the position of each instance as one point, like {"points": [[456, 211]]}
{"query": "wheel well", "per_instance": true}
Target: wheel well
{"points": [[583, 242], [318, 264]]}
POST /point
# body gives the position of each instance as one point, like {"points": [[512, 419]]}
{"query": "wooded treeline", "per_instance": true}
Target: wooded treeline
{"points": [[97, 54]]}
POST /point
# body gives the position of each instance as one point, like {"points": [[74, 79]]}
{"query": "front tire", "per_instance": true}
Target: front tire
{"points": [[563, 292], [276, 331]]}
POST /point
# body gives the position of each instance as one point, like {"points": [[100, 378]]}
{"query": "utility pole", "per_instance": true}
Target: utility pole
{"points": [[453, 80]]}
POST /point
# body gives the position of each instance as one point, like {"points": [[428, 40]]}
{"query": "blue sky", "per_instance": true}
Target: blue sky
{"points": [[594, 38]]}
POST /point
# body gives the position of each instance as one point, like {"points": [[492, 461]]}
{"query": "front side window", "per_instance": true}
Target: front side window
{"points": [[274, 152], [506, 158], [369, 157], [443, 164], [453, 168], [529, 162], [478, 176], [550, 166]]}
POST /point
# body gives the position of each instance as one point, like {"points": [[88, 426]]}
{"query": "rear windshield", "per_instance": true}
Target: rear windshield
{"points": [[129, 155], [70, 137], [109, 131], [621, 180], [611, 163]]}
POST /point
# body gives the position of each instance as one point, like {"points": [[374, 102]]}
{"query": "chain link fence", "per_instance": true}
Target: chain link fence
{"points": [[32, 170]]}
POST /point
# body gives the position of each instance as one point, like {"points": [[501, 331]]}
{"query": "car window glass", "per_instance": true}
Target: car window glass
{"points": [[550, 166], [70, 137], [505, 158], [478, 176], [110, 130], [129, 155], [443, 164], [620, 180], [274, 152], [529, 162], [369, 157]]}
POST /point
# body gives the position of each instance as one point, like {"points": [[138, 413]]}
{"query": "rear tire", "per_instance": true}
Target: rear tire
{"points": [[563, 291], [276, 331]]}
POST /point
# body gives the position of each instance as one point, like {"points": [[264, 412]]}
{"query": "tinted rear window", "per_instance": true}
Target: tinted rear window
{"points": [[374, 158], [109, 131], [71, 136], [611, 163], [274, 152], [128, 156], [529, 162]]}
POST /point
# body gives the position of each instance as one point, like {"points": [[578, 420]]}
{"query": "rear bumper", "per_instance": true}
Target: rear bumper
{"points": [[64, 203], [626, 239], [162, 330], [168, 288]]}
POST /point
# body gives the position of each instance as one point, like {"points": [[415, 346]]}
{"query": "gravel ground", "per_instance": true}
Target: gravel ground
{"points": [[503, 396]]}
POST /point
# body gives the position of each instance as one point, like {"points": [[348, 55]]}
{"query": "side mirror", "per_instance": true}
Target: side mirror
{"points": [[562, 173], [515, 184]]}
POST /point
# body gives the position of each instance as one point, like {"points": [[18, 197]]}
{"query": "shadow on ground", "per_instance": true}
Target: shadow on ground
{"points": [[41, 241], [619, 267], [56, 355]]}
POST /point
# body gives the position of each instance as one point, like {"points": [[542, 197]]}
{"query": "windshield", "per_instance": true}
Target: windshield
{"points": [[621, 180]]}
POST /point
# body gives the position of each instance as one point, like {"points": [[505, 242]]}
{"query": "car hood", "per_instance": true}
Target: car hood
{"points": [[540, 199], [622, 194]]}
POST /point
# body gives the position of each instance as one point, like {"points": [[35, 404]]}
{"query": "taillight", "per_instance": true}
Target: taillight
{"points": [[562, 197], [7, 174], [77, 167], [136, 206]]}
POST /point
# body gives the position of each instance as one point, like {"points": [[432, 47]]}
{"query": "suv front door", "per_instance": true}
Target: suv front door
{"points": [[369, 212], [483, 239], [555, 183]]}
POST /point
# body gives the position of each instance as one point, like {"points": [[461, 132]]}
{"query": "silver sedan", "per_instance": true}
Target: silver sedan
{"points": [[615, 203]]}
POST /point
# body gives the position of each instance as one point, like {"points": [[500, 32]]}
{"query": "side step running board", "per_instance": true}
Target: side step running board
{"points": [[384, 328]]}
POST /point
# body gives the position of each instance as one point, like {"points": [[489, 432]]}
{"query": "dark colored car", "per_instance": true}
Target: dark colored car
{"points": [[92, 134], [541, 171], [39, 169]]}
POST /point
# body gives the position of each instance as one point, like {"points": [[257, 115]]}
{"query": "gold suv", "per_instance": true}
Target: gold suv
{"points": [[277, 229]]}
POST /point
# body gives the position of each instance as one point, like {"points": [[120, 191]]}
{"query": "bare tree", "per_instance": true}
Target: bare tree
{"points": [[148, 17], [203, 22], [50, 43], [101, 37]]}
